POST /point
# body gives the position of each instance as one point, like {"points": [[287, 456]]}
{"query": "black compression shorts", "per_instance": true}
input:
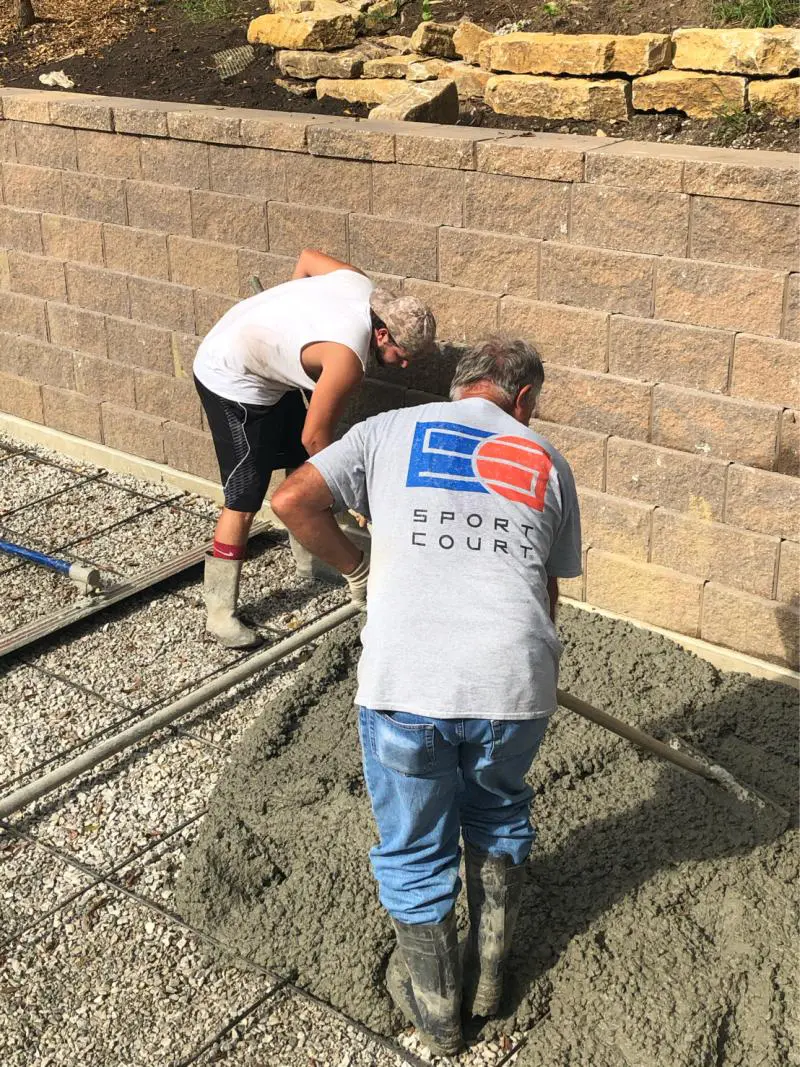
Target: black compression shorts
{"points": [[252, 441]]}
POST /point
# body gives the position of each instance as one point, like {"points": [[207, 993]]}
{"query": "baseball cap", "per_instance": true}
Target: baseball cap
{"points": [[410, 323]]}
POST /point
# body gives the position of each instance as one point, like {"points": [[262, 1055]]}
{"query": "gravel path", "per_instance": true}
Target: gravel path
{"points": [[107, 981]]}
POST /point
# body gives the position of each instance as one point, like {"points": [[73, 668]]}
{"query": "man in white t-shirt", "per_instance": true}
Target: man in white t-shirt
{"points": [[474, 520], [312, 334]]}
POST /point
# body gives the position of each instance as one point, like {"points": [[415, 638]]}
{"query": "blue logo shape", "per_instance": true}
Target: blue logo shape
{"points": [[441, 457]]}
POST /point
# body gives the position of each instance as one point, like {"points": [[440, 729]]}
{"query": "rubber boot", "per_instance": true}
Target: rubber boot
{"points": [[494, 888], [424, 980], [308, 566], [221, 593]]}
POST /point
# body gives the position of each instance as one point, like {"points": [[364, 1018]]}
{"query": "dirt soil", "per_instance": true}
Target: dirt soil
{"points": [[154, 50], [658, 915]]}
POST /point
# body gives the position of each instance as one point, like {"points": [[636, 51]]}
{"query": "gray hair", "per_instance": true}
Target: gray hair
{"points": [[507, 363]]}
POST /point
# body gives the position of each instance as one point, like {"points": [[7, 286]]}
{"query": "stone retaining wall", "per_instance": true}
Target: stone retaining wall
{"points": [[659, 281]]}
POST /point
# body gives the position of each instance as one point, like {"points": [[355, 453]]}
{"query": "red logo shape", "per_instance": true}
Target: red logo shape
{"points": [[515, 468]]}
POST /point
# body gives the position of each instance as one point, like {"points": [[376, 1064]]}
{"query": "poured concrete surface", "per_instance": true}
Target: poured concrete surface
{"points": [[656, 921]]}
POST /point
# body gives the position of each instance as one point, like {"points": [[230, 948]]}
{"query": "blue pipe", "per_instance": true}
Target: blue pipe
{"points": [[86, 577], [59, 565]]}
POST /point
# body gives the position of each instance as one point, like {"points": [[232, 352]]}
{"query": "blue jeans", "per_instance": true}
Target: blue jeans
{"points": [[431, 780]]}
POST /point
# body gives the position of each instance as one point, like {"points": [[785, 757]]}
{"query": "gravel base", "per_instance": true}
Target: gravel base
{"points": [[108, 982], [43, 717], [142, 651], [293, 1031], [32, 883], [28, 592], [146, 540], [152, 875], [152, 490], [222, 721], [127, 804], [23, 480], [74, 514]]}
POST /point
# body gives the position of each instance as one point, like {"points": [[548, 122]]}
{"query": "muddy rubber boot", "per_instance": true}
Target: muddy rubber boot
{"points": [[494, 888], [309, 566], [424, 980], [221, 593]]}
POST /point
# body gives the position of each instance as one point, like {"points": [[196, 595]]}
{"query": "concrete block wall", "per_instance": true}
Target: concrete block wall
{"points": [[660, 283]]}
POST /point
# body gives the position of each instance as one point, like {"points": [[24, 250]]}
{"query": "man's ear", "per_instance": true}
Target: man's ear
{"points": [[381, 335], [525, 401]]}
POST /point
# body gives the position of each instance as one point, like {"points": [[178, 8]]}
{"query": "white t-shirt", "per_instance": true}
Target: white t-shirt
{"points": [[471, 513], [253, 353]]}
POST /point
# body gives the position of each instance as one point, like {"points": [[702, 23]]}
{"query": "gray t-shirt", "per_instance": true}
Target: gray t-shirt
{"points": [[471, 513]]}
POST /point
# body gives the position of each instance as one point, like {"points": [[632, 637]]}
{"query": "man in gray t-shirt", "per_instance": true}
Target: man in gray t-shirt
{"points": [[474, 520]]}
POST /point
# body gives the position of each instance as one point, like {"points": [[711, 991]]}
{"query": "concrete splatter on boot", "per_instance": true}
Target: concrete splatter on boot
{"points": [[494, 888], [221, 594], [424, 980]]}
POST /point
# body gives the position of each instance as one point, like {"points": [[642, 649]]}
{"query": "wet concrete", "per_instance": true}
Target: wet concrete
{"points": [[657, 920]]}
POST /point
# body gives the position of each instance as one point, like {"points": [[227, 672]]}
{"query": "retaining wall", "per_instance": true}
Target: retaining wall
{"points": [[660, 283]]}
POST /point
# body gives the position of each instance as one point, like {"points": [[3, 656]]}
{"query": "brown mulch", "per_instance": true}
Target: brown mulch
{"points": [[152, 49]]}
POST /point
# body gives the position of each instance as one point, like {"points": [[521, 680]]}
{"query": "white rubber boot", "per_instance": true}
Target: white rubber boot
{"points": [[221, 594], [309, 566]]}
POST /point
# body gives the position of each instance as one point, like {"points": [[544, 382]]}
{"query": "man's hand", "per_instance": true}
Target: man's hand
{"points": [[361, 520], [357, 583]]}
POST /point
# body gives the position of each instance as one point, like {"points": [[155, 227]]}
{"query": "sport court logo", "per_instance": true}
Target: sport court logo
{"points": [[446, 455]]}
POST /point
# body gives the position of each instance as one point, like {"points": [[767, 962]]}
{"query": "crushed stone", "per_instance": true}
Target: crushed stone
{"points": [[656, 923]]}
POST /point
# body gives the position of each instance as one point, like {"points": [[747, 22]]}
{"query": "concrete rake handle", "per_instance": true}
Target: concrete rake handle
{"points": [[87, 761], [638, 737]]}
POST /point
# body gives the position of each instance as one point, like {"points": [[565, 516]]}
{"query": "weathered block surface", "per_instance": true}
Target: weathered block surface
{"points": [[568, 53], [779, 96], [759, 627], [304, 30], [700, 96], [558, 98], [738, 51], [656, 595]]}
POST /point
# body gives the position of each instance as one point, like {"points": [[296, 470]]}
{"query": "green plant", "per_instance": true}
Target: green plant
{"points": [[734, 123], [753, 13], [552, 9], [205, 10], [427, 11]]}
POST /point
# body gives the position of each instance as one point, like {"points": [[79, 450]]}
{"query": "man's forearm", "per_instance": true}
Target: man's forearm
{"points": [[319, 532], [552, 593]]}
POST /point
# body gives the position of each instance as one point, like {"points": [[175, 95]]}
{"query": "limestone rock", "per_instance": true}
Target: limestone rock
{"points": [[780, 96], [390, 66], [369, 91], [309, 65], [467, 39], [426, 71], [397, 43], [380, 11], [736, 51], [470, 81], [431, 102], [434, 39], [567, 53], [304, 30], [700, 96], [296, 88], [557, 98]]}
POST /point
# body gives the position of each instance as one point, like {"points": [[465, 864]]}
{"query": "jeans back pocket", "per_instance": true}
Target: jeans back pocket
{"points": [[408, 748]]}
